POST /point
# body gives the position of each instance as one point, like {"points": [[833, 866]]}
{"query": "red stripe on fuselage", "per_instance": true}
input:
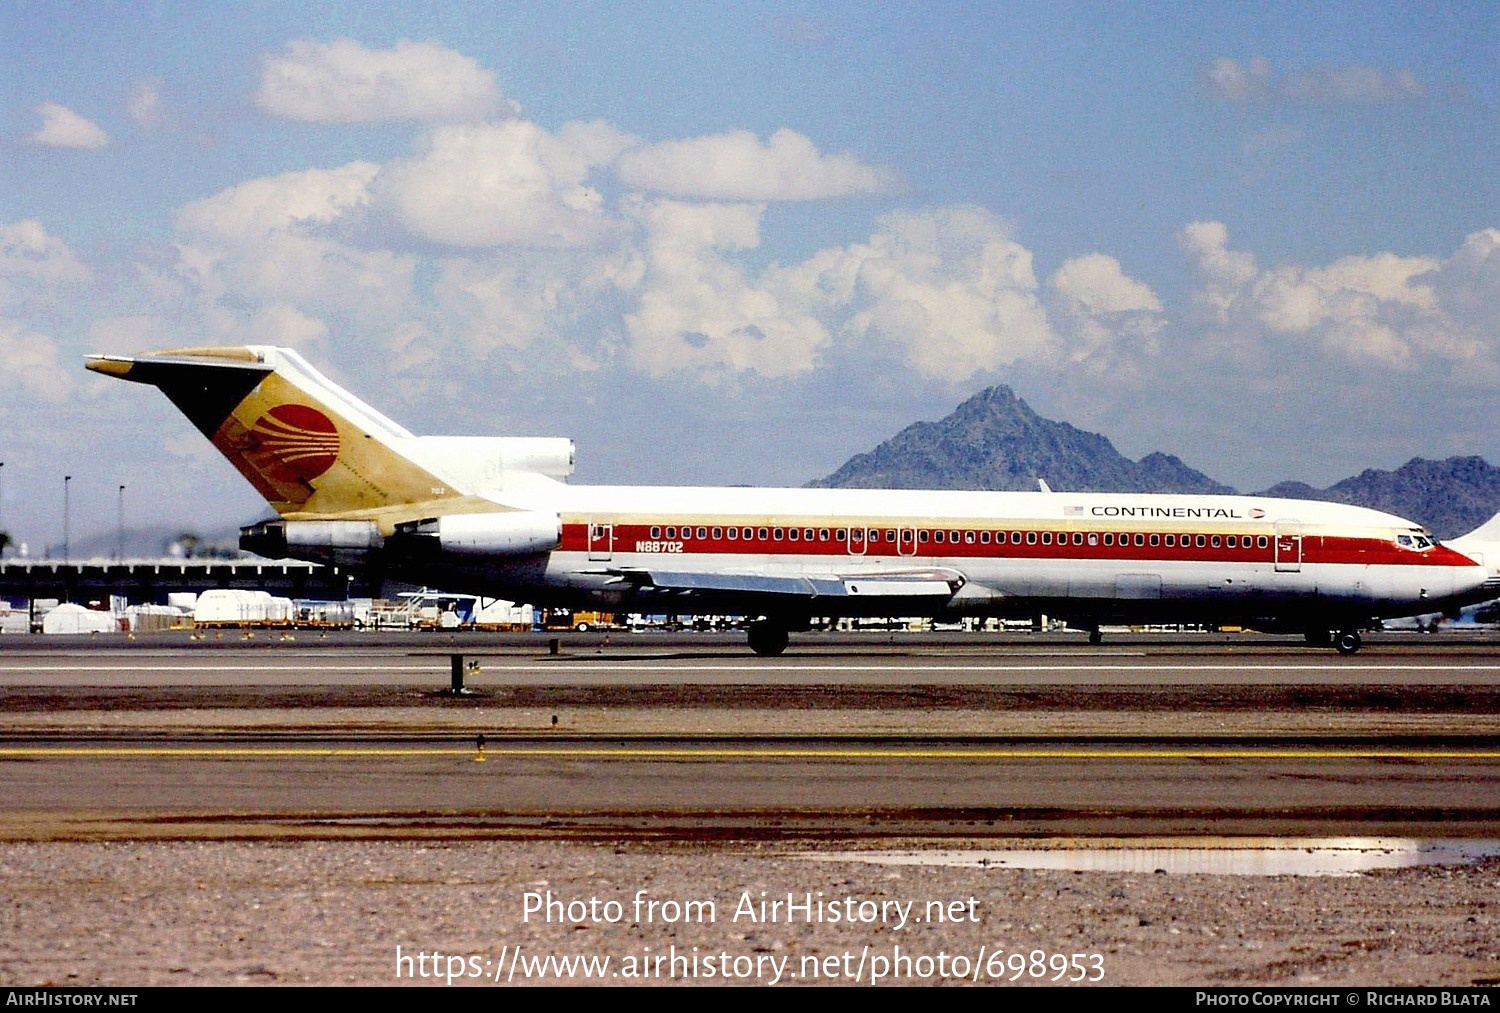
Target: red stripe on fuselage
{"points": [[636, 538]]}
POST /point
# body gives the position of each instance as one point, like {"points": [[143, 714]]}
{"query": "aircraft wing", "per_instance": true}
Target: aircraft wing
{"points": [[931, 584]]}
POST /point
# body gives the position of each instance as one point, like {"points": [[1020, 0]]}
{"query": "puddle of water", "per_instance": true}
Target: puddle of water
{"points": [[1339, 856]]}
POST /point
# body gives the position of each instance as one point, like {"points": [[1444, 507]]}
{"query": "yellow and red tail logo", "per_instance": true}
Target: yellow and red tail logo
{"points": [[294, 443]]}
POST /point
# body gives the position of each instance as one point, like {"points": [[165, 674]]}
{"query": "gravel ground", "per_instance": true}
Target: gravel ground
{"points": [[335, 913]]}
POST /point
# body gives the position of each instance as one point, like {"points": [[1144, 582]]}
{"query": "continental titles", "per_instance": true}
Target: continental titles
{"points": [[1175, 512]]}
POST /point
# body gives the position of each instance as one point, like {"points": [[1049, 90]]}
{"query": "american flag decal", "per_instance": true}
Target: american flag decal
{"points": [[1072, 511]]}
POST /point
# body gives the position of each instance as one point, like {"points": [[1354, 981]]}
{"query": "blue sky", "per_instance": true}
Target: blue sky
{"points": [[740, 246]]}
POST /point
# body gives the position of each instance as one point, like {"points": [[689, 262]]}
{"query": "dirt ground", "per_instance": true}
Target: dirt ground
{"points": [[478, 912]]}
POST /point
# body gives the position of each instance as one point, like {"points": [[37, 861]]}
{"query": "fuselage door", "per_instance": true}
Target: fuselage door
{"points": [[908, 541], [1288, 547], [601, 540], [856, 541]]}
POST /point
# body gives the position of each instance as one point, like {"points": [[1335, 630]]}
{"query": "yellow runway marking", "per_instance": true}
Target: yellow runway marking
{"points": [[733, 753]]}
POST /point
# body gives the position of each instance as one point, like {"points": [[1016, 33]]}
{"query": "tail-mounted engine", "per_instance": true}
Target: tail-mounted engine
{"points": [[336, 542], [516, 533]]}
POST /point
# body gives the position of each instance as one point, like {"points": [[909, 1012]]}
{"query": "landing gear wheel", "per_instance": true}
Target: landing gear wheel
{"points": [[767, 639], [1347, 642], [1096, 636]]}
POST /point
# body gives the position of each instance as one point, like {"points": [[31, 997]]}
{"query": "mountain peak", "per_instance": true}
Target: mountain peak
{"points": [[994, 440]]}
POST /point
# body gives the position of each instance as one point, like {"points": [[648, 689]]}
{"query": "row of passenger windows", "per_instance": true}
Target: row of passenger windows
{"points": [[905, 536]]}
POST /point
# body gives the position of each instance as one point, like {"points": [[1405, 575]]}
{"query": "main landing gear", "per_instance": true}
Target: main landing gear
{"points": [[768, 639], [1343, 641]]}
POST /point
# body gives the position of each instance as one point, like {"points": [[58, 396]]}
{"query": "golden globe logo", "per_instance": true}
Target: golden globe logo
{"points": [[302, 440]]}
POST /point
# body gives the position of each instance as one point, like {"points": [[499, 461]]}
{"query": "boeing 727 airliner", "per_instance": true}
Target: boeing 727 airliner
{"points": [[495, 516]]}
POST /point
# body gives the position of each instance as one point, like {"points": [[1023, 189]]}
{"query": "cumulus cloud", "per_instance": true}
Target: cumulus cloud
{"points": [[37, 271], [260, 206], [503, 183], [1386, 309], [947, 292], [1108, 319], [343, 82], [261, 255], [1222, 273], [63, 128], [1254, 80], [28, 251], [699, 312], [950, 287], [1097, 284], [31, 363], [737, 166]]}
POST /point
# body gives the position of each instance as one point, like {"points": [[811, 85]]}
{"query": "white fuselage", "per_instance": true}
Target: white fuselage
{"points": [[1090, 555]]}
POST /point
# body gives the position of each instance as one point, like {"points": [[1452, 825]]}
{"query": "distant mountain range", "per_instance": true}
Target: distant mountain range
{"points": [[995, 441]]}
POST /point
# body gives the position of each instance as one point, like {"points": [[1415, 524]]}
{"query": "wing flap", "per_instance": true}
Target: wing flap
{"points": [[932, 583]]}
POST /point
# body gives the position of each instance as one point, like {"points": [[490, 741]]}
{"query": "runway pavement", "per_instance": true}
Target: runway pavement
{"points": [[691, 736]]}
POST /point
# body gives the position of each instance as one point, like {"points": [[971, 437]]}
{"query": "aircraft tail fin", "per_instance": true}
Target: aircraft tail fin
{"points": [[1482, 544], [1489, 531], [307, 445]]}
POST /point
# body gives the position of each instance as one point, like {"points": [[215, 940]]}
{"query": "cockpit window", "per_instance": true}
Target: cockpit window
{"points": [[1416, 540]]}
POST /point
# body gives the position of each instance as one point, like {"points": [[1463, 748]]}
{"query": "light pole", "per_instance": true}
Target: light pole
{"points": [[67, 480], [120, 517]]}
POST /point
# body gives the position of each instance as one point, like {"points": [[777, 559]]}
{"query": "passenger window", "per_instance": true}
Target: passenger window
{"points": [[1140, 539], [671, 531], [1031, 538], [856, 534], [1201, 541], [839, 534], [655, 533], [1109, 538], [822, 534], [792, 534], [1171, 541], [1046, 538], [984, 538], [938, 536], [807, 534], [777, 534], [734, 533], [718, 533], [1214, 541], [1262, 542], [1078, 538], [1015, 538], [922, 536], [1156, 539], [1093, 538], [968, 538], [890, 535], [953, 537], [1231, 542], [762, 534], [906, 536]]}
